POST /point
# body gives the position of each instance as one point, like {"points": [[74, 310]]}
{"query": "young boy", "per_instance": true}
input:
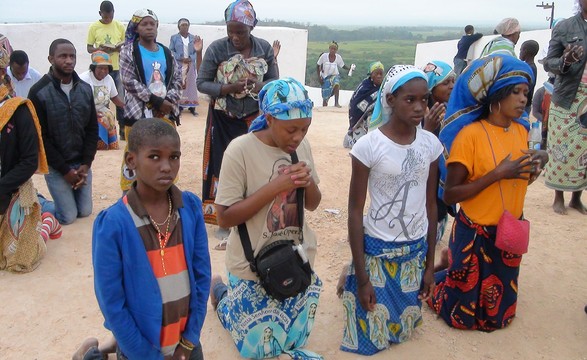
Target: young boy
{"points": [[150, 75], [152, 280], [528, 52]]}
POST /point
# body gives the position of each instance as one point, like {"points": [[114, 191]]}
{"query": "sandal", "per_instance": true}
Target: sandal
{"points": [[221, 246]]}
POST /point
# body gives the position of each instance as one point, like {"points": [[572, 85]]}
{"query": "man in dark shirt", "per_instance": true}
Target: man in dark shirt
{"points": [[66, 111], [463, 46]]}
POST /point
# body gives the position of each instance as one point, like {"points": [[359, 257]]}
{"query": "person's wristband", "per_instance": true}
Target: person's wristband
{"points": [[186, 344]]}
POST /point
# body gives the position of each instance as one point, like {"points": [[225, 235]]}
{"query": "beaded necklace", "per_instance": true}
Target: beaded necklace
{"points": [[163, 237]]}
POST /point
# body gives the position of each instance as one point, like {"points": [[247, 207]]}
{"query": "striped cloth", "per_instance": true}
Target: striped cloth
{"points": [[170, 270]]}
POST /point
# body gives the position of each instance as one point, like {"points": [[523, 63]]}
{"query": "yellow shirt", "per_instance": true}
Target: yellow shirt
{"points": [[472, 149], [113, 33]]}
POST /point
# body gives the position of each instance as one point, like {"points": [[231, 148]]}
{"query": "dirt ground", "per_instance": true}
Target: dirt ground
{"points": [[46, 314]]}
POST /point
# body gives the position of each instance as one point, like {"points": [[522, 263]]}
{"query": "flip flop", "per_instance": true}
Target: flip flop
{"points": [[221, 246]]}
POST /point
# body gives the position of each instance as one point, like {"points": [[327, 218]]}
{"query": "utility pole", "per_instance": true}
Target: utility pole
{"points": [[551, 7]]}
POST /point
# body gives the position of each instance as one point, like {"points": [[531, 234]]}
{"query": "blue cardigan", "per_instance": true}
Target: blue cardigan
{"points": [[176, 47], [126, 287]]}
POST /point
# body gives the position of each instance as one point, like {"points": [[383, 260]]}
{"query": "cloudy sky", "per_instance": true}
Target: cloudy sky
{"points": [[322, 12]]}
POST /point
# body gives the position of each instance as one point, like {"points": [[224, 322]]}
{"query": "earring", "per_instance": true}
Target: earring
{"points": [[490, 108], [499, 107]]}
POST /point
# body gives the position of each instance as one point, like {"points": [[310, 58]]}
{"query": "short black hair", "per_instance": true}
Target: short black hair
{"points": [[148, 130], [18, 57], [56, 43], [531, 47], [469, 29], [106, 6]]}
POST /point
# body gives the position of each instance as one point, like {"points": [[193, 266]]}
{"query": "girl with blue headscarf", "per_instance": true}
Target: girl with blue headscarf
{"points": [[441, 80], [486, 169], [393, 244], [258, 188]]}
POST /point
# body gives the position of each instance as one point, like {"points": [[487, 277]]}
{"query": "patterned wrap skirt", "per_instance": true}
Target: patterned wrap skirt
{"points": [[479, 290], [395, 270]]}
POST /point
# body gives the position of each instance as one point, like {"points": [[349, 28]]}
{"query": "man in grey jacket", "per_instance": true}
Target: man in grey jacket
{"points": [[65, 107]]}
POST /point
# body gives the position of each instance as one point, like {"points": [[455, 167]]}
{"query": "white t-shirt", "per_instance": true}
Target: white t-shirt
{"points": [[103, 90], [397, 184], [330, 68], [249, 164]]}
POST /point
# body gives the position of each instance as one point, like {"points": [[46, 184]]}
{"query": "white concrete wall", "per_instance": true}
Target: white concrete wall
{"points": [[35, 39], [446, 50]]}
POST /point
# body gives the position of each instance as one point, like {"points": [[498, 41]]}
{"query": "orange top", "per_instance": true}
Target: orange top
{"points": [[472, 149]]}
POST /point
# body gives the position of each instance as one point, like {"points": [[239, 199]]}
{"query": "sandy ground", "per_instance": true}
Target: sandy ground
{"points": [[46, 314]]}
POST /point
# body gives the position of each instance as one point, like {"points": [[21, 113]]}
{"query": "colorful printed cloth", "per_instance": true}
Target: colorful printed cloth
{"points": [[108, 135], [285, 99], [189, 93], [499, 45], [567, 145], [395, 271], [131, 30], [238, 68], [328, 85], [479, 290], [437, 71], [363, 98], [262, 327], [468, 99], [241, 11], [21, 245]]}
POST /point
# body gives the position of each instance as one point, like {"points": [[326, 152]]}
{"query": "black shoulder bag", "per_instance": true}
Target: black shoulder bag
{"points": [[282, 266]]}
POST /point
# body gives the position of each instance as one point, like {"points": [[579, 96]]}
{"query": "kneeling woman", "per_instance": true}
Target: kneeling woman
{"points": [[257, 186], [393, 245], [489, 169]]}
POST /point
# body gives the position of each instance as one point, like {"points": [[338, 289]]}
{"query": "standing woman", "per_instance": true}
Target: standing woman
{"points": [[187, 50], [328, 74], [489, 169], [233, 71], [567, 143]]}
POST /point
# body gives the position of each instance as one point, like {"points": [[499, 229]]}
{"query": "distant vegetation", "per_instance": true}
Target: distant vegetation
{"points": [[361, 46]]}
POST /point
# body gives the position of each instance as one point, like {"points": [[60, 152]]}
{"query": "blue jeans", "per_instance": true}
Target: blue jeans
{"points": [[69, 203], [460, 65]]}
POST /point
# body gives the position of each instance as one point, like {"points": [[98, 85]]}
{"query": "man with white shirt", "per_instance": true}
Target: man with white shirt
{"points": [[23, 77]]}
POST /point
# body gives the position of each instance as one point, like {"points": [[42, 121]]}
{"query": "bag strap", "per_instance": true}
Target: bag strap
{"points": [[244, 233], [495, 162]]}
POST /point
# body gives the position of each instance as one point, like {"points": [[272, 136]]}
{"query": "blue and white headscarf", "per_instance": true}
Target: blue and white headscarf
{"points": [[284, 99], [469, 97], [397, 76], [437, 71]]}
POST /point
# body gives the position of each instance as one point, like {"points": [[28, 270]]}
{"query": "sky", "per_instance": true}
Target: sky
{"points": [[321, 12]]}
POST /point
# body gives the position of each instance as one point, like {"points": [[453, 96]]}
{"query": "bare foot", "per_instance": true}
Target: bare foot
{"points": [[559, 207], [578, 205], [84, 348], [108, 347], [341, 281], [337, 105], [216, 279]]}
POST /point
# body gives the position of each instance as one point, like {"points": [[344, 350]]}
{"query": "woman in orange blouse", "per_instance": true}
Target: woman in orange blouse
{"points": [[487, 172]]}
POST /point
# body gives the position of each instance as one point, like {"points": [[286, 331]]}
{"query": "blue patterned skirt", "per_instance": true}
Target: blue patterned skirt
{"points": [[395, 270], [263, 327]]}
